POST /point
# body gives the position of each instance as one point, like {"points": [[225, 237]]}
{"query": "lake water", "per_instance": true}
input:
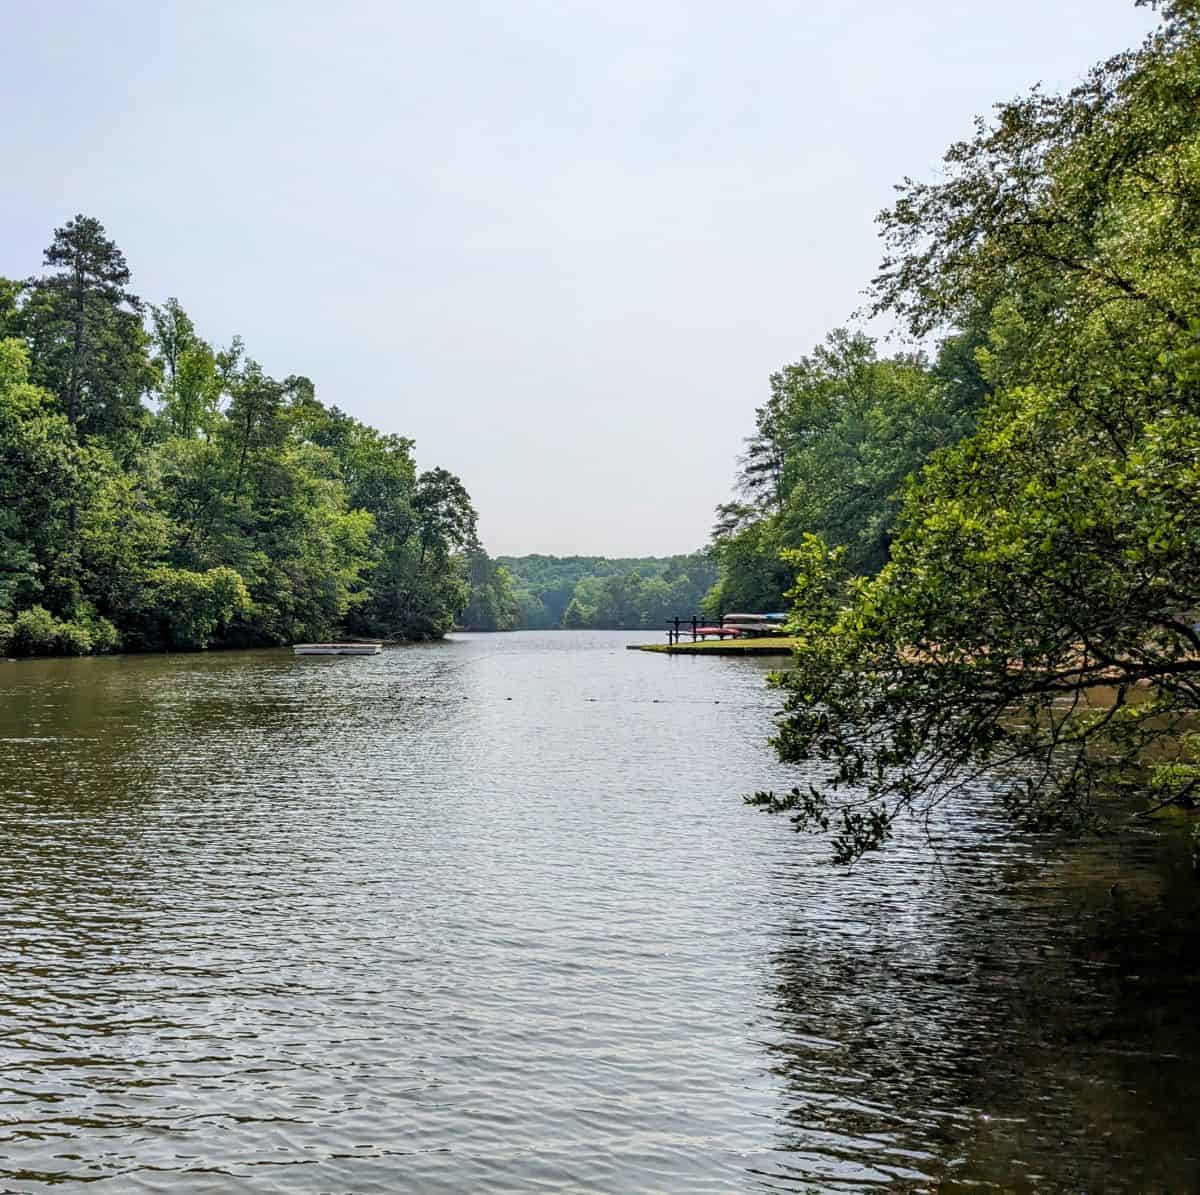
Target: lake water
{"points": [[489, 915]]}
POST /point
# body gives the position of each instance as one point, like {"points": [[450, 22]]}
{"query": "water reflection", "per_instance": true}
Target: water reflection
{"points": [[488, 915], [1009, 1023]]}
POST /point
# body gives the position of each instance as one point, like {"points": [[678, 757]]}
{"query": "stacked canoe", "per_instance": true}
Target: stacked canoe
{"points": [[733, 626], [754, 624]]}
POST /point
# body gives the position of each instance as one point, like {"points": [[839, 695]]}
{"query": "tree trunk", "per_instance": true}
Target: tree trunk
{"points": [[77, 347]]}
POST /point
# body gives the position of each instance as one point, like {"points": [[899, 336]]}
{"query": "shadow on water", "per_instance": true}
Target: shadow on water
{"points": [[1023, 1020]]}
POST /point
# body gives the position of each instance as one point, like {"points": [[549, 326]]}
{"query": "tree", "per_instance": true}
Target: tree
{"points": [[1036, 622], [858, 426], [241, 511], [184, 610], [85, 329], [11, 322], [643, 591], [575, 617], [174, 334], [256, 428], [420, 584], [445, 517], [752, 574], [191, 378], [840, 432], [122, 535], [41, 469], [493, 603]]}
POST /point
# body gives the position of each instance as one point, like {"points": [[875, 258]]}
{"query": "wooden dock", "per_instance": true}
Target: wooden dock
{"points": [[774, 646], [731, 628], [729, 635]]}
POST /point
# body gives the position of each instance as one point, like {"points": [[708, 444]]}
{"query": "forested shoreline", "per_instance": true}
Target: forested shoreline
{"points": [[539, 592], [993, 551], [597, 592], [159, 493]]}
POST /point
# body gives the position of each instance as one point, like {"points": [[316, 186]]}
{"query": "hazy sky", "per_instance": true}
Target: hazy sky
{"points": [[561, 245]]}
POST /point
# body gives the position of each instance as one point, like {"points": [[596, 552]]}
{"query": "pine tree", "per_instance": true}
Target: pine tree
{"points": [[86, 333]]}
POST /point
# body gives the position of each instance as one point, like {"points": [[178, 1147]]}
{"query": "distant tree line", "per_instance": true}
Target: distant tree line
{"points": [[157, 492], [579, 592]]}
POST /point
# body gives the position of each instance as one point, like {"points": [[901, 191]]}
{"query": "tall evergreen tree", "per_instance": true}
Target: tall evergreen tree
{"points": [[85, 330]]}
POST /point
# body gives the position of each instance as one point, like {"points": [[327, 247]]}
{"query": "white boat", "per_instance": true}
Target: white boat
{"points": [[338, 649]]}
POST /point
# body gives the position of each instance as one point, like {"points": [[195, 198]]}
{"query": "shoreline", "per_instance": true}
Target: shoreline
{"points": [[716, 647]]}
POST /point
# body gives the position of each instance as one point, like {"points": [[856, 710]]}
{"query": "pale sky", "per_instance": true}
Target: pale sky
{"points": [[559, 244]]}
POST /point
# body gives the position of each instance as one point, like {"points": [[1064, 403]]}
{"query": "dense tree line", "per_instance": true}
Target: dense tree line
{"points": [[157, 492], [1026, 606], [840, 432], [597, 592]]}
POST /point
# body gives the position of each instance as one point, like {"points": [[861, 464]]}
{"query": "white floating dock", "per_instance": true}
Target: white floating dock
{"points": [[338, 649]]}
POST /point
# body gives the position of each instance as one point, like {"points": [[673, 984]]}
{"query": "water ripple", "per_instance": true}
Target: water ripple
{"points": [[489, 915]]}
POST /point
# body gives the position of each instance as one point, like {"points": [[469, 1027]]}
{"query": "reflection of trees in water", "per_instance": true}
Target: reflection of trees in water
{"points": [[1016, 1020]]}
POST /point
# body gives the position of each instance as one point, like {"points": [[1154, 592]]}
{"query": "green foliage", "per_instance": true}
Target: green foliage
{"points": [[493, 605], [121, 534], [191, 381], [840, 433], [752, 572], [40, 474], [574, 617], [104, 635], [419, 583], [234, 510], [1036, 622], [184, 610], [36, 632], [593, 591], [86, 334]]}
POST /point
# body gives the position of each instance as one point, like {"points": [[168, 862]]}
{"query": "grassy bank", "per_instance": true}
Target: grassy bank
{"points": [[775, 646]]}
